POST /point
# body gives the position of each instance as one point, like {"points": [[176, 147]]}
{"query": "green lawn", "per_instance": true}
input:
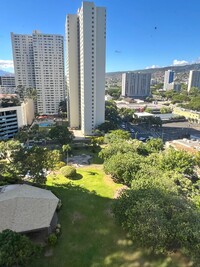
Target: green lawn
{"points": [[90, 236]]}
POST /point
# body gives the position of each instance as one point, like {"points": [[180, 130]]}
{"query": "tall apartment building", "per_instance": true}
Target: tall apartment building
{"points": [[168, 80], [85, 41], [39, 64], [194, 79], [136, 85], [7, 85]]}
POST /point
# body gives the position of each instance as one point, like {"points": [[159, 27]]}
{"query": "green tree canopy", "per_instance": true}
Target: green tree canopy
{"points": [[123, 167], [117, 135], [111, 112], [159, 220], [16, 249], [124, 147], [154, 145], [61, 134], [179, 161]]}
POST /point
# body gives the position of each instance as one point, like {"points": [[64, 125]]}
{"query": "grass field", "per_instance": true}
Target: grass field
{"points": [[90, 236]]}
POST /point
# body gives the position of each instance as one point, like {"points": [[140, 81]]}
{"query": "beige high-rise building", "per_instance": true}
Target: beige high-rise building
{"points": [[136, 84], [85, 41], [39, 63]]}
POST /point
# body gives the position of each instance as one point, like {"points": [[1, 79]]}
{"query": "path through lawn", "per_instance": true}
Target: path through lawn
{"points": [[90, 236]]}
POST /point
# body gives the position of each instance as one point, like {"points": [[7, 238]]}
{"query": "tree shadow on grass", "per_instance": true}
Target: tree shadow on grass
{"points": [[90, 237]]}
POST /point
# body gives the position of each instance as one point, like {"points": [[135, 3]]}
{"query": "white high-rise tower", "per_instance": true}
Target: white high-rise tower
{"points": [[194, 79], [39, 64], [85, 41], [168, 80]]}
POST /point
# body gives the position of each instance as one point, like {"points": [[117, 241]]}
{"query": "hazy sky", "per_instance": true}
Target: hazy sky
{"points": [[140, 34]]}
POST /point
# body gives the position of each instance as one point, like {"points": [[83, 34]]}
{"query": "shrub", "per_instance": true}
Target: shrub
{"points": [[52, 239], [68, 171], [60, 164], [16, 249]]}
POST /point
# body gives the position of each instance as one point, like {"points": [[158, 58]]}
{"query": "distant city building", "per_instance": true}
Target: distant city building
{"points": [[7, 85], [136, 85], [153, 81], [12, 118], [85, 41], [194, 79], [39, 64], [177, 87], [168, 80]]}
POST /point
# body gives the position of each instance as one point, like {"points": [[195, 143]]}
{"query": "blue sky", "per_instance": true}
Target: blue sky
{"points": [[140, 34]]}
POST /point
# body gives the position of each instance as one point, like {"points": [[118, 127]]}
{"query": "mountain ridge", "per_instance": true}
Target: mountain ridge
{"points": [[6, 73]]}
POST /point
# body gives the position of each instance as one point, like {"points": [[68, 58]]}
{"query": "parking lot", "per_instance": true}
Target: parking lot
{"points": [[168, 131]]}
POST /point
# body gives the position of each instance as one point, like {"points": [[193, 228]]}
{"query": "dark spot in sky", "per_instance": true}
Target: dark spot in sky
{"points": [[155, 28], [118, 51]]}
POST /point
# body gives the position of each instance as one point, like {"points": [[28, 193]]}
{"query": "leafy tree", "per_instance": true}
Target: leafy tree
{"points": [[7, 148], [107, 126], [123, 167], [127, 114], [179, 161], [180, 98], [159, 220], [114, 92], [111, 112], [35, 161], [24, 92], [66, 149], [62, 106], [117, 135], [194, 104], [149, 176], [154, 145], [10, 102], [16, 249], [61, 134], [22, 135], [149, 110], [165, 110], [123, 147], [53, 157], [194, 91]]}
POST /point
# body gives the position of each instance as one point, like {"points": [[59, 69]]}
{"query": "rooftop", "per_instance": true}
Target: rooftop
{"points": [[26, 208]]}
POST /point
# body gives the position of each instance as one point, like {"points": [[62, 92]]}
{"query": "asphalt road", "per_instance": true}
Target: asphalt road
{"points": [[168, 131]]}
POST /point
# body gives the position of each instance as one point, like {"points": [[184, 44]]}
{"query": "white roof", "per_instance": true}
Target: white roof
{"points": [[143, 114], [26, 208]]}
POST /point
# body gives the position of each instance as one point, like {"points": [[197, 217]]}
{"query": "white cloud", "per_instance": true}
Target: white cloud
{"points": [[152, 67], [177, 62], [6, 64]]}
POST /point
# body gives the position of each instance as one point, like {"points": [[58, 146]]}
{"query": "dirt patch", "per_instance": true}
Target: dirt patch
{"points": [[119, 191], [80, 160], [76, 217], [108, 180], [109, 212], [48, 252]]}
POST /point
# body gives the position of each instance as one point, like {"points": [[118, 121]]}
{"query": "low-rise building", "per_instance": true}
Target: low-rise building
{"points": [[191, 146], [26, 208], [7, 85], [191, 115]]}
